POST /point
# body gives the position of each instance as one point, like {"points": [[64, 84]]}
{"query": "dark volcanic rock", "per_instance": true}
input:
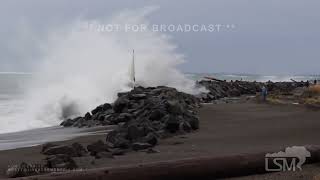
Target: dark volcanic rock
{"points": [[185, 126], [138, 96], [116, 139], [61, 156], [151, 138], [143, 115], [70, 122], [172, 123], [135, 132], [60, 161], [193, 121], [123, 117], [79, 149], [157, 114], [221, 89], [97, 147], [174, 107], [101, 155], [120, 104], [101, 108], [87, 116], [75, 150]]}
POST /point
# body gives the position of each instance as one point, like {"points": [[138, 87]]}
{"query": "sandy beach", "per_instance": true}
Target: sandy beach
{"points": [[225, 129]]}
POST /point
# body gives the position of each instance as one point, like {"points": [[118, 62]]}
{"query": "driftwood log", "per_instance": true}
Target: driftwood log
{"points": [[213, 79], [193, 168]]}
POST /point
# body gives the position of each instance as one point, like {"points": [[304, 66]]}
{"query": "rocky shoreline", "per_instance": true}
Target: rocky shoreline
{"points": [[154, 103], [144, 116], [222, 89]]}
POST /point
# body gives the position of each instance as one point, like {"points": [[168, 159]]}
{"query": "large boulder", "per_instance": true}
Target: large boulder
{"points": [[79, 149], [70, 122], [123, 117], [120, 104], [116, 139], [174, 107], [150, 138], [135, 132], [172, 123], [97, 147], [60, 161], [157, 114], [102, 108]]}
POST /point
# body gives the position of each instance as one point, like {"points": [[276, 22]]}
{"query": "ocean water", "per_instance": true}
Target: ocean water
{"points": [[15, 132], [12, 89]]}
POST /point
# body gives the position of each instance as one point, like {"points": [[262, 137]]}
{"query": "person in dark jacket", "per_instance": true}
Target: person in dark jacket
{"points": [[264, 93]]}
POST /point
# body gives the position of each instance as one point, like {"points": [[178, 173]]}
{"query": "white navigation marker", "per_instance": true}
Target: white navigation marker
{"points": [[132, 71]]}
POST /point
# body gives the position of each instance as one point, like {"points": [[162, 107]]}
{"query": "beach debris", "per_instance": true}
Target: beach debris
{"points": [[213, 79]]}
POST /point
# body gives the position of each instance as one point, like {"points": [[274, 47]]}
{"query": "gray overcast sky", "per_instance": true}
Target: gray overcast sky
{"points": [[270, 36]]}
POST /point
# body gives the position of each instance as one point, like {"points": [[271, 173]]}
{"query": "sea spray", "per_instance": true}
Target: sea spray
{"points": [[84, 67]]}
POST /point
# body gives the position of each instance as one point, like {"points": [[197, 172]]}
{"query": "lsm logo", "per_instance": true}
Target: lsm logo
{"points": [[290, 160]]}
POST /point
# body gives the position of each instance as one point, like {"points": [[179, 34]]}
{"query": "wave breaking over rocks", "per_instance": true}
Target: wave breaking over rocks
{"points": [[143, 115]]}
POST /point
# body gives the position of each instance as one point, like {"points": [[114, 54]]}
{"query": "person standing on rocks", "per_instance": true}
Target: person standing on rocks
{"points": [[264, 93]]}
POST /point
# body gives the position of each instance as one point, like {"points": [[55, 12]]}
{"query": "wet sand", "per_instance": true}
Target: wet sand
{"points": [[225, 129], [42, 135], [309, 172]]}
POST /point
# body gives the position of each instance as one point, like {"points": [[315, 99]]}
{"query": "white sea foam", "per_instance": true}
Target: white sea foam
{"points": [[83, 68]]}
